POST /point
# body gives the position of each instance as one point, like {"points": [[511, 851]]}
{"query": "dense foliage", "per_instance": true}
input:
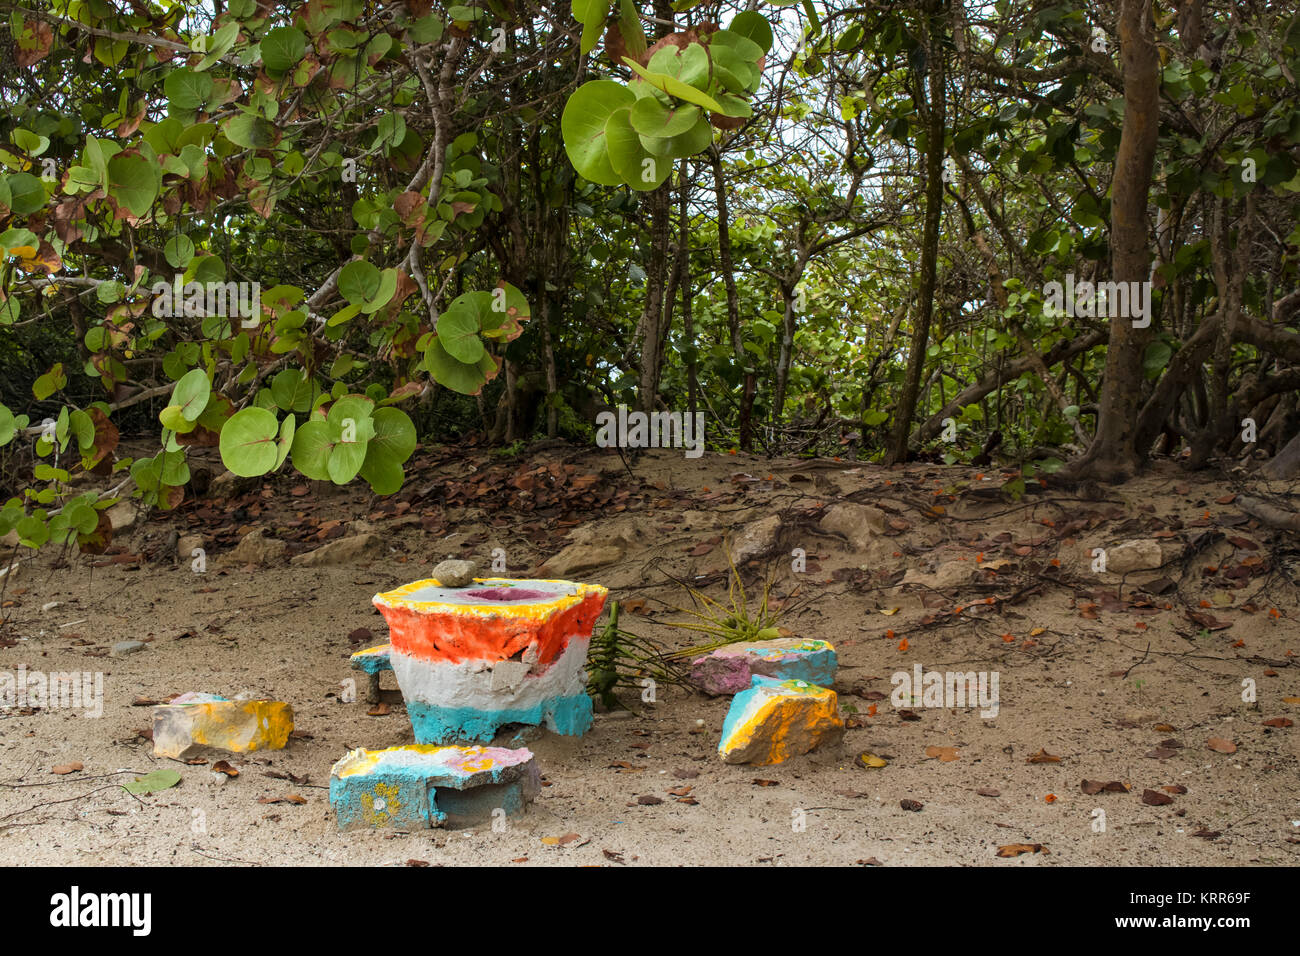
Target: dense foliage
{"points": [[309, 234]]}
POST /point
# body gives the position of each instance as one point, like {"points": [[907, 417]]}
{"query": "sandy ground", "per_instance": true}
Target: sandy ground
{"points": [[1093, 671]]}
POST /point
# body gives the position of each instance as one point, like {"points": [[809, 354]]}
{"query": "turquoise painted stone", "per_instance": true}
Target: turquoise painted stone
{"points": [[567, 716], [421, 786], [373, 659]]}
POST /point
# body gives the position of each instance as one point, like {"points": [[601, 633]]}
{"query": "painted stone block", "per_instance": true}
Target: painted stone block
{"points": [[193, 723], [421, 786], [373, 659], [472, 660], [777, 719], [728, 670]]}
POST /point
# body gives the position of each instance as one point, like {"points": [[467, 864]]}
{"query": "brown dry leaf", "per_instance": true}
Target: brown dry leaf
{"points": [[679, 791], [988, 792], [296, 799], [1154, 798], [945, 754], [909, 714], [689, 801], [67, 767], [520, 859], [622, 766], [1015, 849], [1174, 788], [1206, 834], [223, 766], [1043, 757], [914, 805], [1278, 722], [417, 862], [649, 800], [870, 861], [1166, 728], [612, 855], [382, 709], [1220, 745], [760, 782]]}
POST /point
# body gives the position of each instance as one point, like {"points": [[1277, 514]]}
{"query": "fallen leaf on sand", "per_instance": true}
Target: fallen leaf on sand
{"points": [[760, 782], [945, 754], [914, 805], [1015, 849], [67, 767], [1278, 722], [379, 710], [151, 782], [988, 792], [866, 760], [223, 766], [1043, 757], [561, 840], [1220, 745], [1154, 798]]}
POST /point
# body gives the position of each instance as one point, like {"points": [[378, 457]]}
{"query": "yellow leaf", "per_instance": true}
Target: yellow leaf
{"points": [[1038, 630], [551, 841], [892, 611]]}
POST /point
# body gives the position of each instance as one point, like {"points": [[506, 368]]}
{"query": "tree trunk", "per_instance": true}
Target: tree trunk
{"points": [[1113, 455], [733, 304], [652, 313], [937, 107], [688, 319]]}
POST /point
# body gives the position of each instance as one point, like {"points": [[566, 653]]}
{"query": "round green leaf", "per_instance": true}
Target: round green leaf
{"points": [[248, 442], [583, 126], [753, 26], [179, 250], [455, 375], [312, 443], [186, 89], [26, 194], [191, 393], [133, 182], [651, 118], [285, 443], [633, 163], [359, 282], [282, 49], [384, 294], [458, 330]]}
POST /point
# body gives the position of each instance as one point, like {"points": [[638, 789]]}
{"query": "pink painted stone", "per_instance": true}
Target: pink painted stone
{"points": [[730, 669]]}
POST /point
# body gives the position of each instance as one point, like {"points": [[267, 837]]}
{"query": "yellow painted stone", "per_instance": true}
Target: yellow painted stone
{"points": [[183, 730]]}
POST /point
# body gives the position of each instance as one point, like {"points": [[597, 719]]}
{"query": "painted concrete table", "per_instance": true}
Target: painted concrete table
{"points": [[471, 660]]}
